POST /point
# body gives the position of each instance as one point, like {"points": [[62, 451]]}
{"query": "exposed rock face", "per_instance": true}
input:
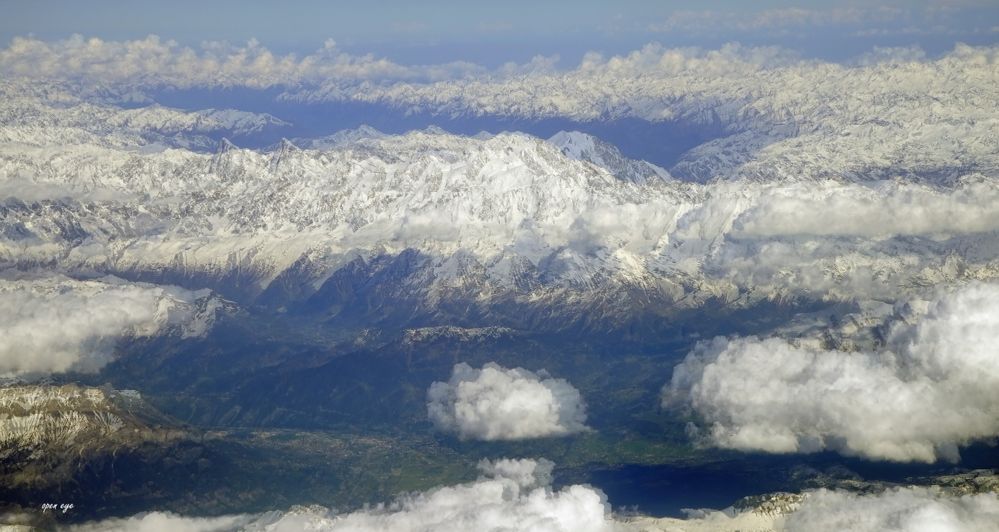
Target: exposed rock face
{"points": [[47, 432]]}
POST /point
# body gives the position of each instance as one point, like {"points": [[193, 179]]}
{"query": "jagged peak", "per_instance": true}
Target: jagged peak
{"points": [[578, 145], [341, 138], [572, 137], [367, 130], [589, 148], [223, 153], [435, 130], [281, 151], [225, 145]]}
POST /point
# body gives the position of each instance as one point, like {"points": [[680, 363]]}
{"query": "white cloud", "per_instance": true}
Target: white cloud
{"points": [[931, 390], [525, 501], [738, 85], [828, 239], [892, 55], [56, 324], [495, 403], [525, 472], [156, 62], [166, 522], [513, 495], [879, 211]]}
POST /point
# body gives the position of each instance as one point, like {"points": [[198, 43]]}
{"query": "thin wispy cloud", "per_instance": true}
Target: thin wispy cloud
{"points": [[162, 62]]}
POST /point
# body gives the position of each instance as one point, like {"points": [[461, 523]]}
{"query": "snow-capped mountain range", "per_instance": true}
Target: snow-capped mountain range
{"points": [[429, 218], [885, 115], [39, 115]]}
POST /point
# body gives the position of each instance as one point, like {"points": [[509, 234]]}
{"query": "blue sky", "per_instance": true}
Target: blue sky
{"points": [[492, 32]]}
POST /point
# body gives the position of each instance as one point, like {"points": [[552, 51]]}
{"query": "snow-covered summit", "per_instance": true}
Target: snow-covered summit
{"points": [[584, 147], [340, 138]]}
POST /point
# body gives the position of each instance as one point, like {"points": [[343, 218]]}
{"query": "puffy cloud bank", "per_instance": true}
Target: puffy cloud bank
{"points": [[495, 403], [57, 324], [167, 522], [153, 61], [516, 495], [933, 388], [511, 495]]}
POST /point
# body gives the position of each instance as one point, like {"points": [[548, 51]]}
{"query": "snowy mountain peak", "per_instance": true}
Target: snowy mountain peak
{"points": [[575, 144], [587, 148], [224, 146], [345, 137], [282, 152], [435, 130]]}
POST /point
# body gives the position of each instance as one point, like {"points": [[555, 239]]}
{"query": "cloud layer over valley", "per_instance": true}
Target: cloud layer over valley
{"points": [[57, 324]]}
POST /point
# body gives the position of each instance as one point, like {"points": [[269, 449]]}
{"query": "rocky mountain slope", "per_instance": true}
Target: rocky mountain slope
{"points": [[49, 433]]}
